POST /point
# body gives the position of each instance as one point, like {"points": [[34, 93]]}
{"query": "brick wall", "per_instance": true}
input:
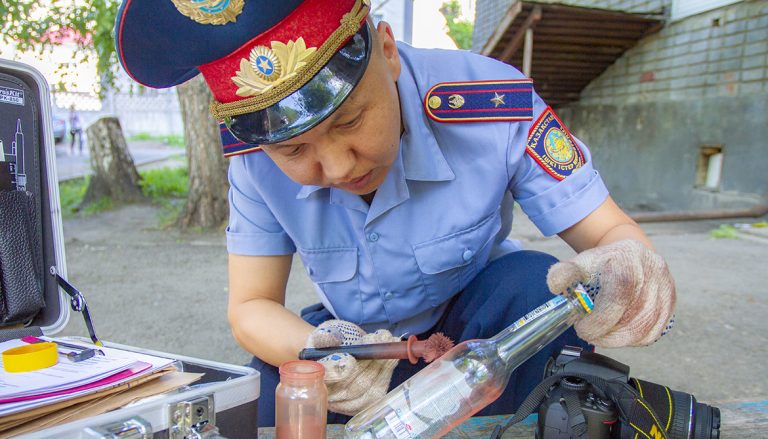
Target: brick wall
{"points": [[723, 52], [488, 13]]}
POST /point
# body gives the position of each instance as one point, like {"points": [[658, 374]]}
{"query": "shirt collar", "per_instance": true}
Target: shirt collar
{"points": [[422, 158]]}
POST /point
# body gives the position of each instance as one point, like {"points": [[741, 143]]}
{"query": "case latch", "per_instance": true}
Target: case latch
{"points": [[132, 428], [194, 419]]}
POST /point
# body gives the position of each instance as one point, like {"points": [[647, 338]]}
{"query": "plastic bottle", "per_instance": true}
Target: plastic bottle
{"points": [[467, 378], [301, 401]]}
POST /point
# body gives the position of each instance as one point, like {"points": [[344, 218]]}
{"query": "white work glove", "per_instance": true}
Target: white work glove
{"points": [[352, 384], [636, 300]]}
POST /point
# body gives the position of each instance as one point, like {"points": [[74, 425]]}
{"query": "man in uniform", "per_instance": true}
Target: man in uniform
{"points": [[392, 171]]}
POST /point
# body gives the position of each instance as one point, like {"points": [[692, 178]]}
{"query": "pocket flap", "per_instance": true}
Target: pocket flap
{"points": [[457, 249], [330, 264]]}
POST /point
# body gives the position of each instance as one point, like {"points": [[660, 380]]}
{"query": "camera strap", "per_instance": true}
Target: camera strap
{"points": [[632, 408]]}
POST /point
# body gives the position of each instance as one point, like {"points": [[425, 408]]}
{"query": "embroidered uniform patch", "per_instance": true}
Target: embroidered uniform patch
{"points": [[553, 147], [480, 101]]}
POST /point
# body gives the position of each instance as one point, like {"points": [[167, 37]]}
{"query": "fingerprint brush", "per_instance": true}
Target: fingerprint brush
{"points": [[430, 349]]}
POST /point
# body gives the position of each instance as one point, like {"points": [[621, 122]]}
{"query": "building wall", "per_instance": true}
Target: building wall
{"points": [[700, 81]]}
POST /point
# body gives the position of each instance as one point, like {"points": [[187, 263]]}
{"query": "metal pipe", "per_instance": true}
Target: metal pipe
{"points": [[689, 215]]}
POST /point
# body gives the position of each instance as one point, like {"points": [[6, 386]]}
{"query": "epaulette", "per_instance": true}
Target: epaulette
{"points": [[480, 101]]}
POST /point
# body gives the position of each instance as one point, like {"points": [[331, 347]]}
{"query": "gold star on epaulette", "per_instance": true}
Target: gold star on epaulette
{"points": [[497, 99]]}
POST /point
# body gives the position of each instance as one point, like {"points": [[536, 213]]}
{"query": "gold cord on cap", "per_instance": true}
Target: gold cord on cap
{"points": [[292, 81]]}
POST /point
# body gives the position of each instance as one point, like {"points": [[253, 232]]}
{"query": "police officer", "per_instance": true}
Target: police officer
{"points": [[392, 172]]}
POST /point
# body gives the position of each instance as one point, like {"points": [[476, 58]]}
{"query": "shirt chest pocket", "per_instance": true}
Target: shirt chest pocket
{"points": [[449, 263], [334, 271]]}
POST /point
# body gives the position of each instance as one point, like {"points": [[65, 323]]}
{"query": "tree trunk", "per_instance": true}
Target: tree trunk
{"points": [[114, 173], [207, 204]]}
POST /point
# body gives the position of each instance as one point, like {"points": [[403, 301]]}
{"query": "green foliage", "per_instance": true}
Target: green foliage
{"points": [[460, 30], [35, 24], [725, 231], [71, 194], [163, 183], [170, 139], [98, 206], [166, 187]]}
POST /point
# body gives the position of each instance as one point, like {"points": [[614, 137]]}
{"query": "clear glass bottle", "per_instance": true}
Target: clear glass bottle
{"points": [[301, 401], [467, 378]]}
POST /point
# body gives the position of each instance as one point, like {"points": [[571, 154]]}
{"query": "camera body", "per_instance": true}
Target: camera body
{"points": [[574, 401]]}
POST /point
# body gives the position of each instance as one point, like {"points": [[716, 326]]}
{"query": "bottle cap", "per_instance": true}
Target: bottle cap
{"points": [[302, 370], [584, 298]]}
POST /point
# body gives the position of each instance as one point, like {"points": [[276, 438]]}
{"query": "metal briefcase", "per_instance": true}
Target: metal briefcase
{"points": [[222, 404]]}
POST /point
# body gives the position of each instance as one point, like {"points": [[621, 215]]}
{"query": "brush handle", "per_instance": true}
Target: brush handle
{"points": [[412, 349]]}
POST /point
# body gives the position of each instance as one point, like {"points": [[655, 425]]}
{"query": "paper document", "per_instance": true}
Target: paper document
{"points": [[67, 379]]}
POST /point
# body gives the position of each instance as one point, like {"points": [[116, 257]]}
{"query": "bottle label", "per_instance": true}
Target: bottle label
{"points": [[397, 426], [557, 300], [421, 411]]}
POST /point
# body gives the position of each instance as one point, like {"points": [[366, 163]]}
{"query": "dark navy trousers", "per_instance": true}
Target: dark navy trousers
{"points": [[504, 291]]}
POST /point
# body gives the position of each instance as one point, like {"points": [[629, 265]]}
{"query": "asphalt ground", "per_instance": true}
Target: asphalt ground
{"points": [[166, 290]]}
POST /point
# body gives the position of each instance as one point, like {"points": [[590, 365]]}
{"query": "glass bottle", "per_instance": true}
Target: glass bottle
{"points": [[301, 401], [467, 378]]}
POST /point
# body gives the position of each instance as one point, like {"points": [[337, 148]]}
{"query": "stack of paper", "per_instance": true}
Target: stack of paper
{"points": [[27, 394]]}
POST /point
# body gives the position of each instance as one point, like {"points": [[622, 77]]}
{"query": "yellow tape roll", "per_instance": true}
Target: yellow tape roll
{"points": [[30, 357]]}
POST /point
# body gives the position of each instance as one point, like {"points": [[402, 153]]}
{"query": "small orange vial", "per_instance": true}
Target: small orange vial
{"points": [[301, 401]]}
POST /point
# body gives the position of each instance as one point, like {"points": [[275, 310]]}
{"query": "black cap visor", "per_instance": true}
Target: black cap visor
{"points": [[312, 103]]}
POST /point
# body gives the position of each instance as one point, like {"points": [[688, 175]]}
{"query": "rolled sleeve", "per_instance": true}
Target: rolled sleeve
{"points": [[253, 229], [567, 202]]}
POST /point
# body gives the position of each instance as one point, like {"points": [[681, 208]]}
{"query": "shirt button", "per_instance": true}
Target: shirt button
{"points": [[467, 255], [373, 237], [388, 295]]}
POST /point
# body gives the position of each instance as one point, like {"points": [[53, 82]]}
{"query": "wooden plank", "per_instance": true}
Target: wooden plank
{"points": [[517, 39], [571, 11], [501, 29], [632, 34], [570, 56], [549, 63], [604, 41]]}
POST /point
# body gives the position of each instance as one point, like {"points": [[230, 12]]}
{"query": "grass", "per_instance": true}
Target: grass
{"points": [[170, 139], [725, 231], [166, 187]]}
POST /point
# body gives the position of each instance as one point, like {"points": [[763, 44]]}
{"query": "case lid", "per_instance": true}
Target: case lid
{"points": [[26, 125]]}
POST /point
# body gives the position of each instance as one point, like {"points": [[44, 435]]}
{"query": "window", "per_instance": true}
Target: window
{"points": [[686, 8], [709, 169]]}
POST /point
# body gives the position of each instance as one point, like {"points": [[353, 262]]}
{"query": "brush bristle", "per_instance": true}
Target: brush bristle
{"points": [[436, 345]]}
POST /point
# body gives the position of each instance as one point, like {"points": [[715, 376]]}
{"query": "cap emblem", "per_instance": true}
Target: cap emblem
{"points": [[267, 67], [210, 11]]}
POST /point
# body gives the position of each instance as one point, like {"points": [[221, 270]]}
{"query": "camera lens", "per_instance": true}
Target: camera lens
{"points": [[692, 419], [707, 421]]}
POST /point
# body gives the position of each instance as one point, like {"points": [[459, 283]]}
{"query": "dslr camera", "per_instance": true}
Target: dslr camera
{"points": [[584, 403]]}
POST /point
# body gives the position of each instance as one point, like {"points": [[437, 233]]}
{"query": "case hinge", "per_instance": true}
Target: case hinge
{"points": [[195, 419]]}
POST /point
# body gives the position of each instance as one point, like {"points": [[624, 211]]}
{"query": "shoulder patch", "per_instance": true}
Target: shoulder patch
{"points": [[552, 146], [480, 101]]}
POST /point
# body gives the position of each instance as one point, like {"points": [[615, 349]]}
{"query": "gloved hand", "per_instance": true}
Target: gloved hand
{"points": [[352, 384], [636, 299]]}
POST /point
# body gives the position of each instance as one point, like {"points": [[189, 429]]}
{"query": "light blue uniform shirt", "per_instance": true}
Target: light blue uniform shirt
{"points": [[442, 213]]}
